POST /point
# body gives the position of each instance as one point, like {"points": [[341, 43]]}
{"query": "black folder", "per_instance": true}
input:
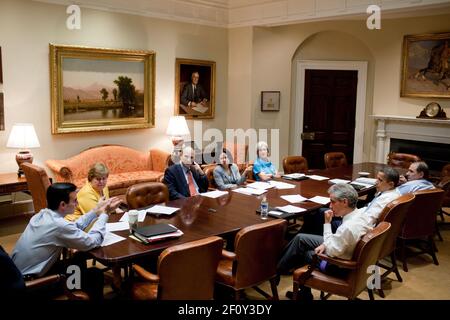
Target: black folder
{"points": [[155, 230]]}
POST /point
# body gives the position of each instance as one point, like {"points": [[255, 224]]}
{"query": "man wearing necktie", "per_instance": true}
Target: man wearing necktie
{"points": [[193, 93], [185, 179]]}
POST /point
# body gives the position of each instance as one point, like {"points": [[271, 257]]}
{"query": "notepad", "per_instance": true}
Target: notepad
{"points": [[319, 199], [294, 176], [336, 181], [155, 229], [111, 238], [316, 177], [294, 198], [250, 191], [117, 226], [371, 181], [158, 209], [259, 185], [290, 209], [214, 194], [281, 185]]}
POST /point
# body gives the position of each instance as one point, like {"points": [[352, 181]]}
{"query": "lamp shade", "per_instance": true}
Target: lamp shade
{"points": [[23, 136], [177, 126]]}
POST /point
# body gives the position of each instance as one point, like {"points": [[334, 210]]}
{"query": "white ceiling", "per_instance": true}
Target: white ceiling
{"points": [[235, 13]]}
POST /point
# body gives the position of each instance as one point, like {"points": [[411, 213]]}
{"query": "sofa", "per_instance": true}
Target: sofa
{"points": [[126, 166]]}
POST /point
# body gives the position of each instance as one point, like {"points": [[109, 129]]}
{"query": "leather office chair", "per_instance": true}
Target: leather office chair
{"points": [[402, 160], [185, 272], [295, 164], [366, 253], [239, 153], [334, 159], [38, 183], [395, 213], [145, 194], [254, 260], [13, 285], [420, 223], [209, 172]]}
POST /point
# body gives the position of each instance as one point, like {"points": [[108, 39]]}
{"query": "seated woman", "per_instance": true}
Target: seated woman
{"points": [[263, 169], [94, 189], [226, 174]]}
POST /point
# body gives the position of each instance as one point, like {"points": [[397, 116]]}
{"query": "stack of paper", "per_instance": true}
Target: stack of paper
{"points": [[362, 185], [214, 194], [141, 216], [111, 238], [260, 185], [319, 199], [281, 185], [157, 209], [316, 177], [117, 226], [294, 198], [371, 181], [250, 191], [336, 181], [294, 175], [290, 209]]}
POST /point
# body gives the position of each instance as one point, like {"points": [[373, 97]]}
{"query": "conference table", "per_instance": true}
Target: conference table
{"points": [[200, 217]]}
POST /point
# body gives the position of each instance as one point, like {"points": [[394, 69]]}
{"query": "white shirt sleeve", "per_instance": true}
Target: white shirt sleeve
{"points": [[336, 245]]}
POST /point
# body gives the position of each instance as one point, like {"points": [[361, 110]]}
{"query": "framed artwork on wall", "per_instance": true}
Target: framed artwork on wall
{"points": [[97, 89], [426, 60], [270, 100], [195, 82]]}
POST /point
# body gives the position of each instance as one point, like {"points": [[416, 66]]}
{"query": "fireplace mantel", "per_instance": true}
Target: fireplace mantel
{"points": [[408, 128]]}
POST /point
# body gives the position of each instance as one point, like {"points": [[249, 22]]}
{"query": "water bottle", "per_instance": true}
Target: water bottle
{"points": [[264, 208]]}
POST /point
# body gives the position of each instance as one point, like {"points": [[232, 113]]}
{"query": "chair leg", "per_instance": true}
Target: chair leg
{"points": [[438, 233], [431, 246], [322, 295], [295, 290], [403, 255], [380, 292], [273, 286], [371, 297], [394, 266]]}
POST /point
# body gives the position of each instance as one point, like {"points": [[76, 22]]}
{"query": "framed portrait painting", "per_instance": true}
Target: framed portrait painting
{"points": [[195, 88], [270, 100], [426, 60], [97, 89]]}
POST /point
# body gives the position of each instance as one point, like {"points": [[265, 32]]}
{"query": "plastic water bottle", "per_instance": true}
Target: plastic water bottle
{"points": [[264, 208]]}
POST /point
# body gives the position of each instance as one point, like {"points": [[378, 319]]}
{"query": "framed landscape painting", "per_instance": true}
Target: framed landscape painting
{"points": [[426, 60], [195, 88], [95, 89]]}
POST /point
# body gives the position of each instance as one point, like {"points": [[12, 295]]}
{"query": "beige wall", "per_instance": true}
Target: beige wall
{"points": [[275, 49], [27, 28]]}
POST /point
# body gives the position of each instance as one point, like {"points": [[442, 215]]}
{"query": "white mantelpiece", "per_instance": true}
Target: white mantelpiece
{"points": [[408, 128]]}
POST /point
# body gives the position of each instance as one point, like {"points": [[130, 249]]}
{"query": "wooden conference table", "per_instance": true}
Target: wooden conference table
{"points": [[231, 213]]}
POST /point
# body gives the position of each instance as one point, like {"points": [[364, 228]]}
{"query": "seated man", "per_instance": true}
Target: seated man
{"points": [[38, 249], [387, 181], [415, 179], [340, 244], [185, 179]]}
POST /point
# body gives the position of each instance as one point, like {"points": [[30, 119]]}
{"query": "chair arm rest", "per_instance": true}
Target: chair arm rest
{"points": [[347, 264], [61, 170], [228, 255], [36, 283], [145, 274]]}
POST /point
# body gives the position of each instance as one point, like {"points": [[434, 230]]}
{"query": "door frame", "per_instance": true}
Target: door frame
{"points": [[361, 68]]}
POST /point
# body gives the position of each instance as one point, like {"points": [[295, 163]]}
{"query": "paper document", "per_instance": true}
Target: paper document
{"points": [[363, 185], [335, 181], [290, 209], [214, 194], [141, 216], [294, 198], [316, 177], [319, 199], [260, 185], [200, 108], [294, 175], [371, 181], [274, 213], [162, 209], [281, 185], [250, 191], [111, 238], [117, 226]]}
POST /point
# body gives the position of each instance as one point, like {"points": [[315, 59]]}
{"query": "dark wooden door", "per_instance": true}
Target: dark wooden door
{"points": [[329, 114]]}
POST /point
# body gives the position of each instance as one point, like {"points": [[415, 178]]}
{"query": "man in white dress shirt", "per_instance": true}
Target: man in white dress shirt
{"points": [[341, 244]]}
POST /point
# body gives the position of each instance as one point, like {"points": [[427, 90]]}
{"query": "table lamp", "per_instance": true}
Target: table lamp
{"points": [[23, 136], [177, 128]]}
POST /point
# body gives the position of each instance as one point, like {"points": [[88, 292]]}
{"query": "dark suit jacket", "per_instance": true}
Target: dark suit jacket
{"points": [[175, 180], [188, 94]]}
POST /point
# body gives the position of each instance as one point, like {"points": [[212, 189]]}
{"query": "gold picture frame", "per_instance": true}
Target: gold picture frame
{"points": [[195, 102], [425, 68], [99, 89]]}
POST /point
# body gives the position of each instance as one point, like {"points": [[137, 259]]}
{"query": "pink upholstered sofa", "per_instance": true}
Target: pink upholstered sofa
{"points": [[126, 166]]}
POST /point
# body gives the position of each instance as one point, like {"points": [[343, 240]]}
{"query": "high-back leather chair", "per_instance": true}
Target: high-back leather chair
{"points": [[209, 172], [38, 183], [420, 222], [445, 173], [395, 213], [334, 159], [239, 153], [295, 164], [185, 272], [402, 160], [145, 194], [366, 253], [254, 260]]}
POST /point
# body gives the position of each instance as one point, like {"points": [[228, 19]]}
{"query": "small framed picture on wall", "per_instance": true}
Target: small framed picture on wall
{"points": [[270, 100]]}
